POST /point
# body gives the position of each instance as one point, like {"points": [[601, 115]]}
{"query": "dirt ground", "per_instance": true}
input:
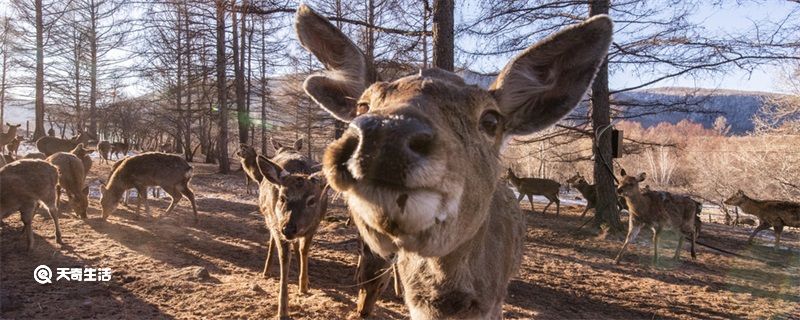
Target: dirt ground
{"points": [[159, 268]]}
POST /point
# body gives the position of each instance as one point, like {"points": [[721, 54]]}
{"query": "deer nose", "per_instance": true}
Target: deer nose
{"points": [[289, 231], [388, 146]]}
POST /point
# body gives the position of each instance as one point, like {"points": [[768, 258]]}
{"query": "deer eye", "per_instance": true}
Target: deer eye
{"points": [[311, 202], [490, 122], [362, 108]]}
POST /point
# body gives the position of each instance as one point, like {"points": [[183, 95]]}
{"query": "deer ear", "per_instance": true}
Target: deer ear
{"points": [[298, 144], [641, 177], [275, 144], [546, 81], [337, 89], [270, 170]]}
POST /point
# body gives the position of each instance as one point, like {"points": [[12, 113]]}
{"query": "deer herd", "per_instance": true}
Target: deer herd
{"points": [[419, 168]]}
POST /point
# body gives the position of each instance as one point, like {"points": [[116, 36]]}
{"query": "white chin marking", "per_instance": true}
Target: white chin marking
{"points": [[421, 211]]}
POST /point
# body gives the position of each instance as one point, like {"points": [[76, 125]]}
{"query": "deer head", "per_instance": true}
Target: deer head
{"points": [[296, 146], [629, 185], [246, 152], [577, 179], [80, 151], [296, 199], [420, 158], [736, 199]]}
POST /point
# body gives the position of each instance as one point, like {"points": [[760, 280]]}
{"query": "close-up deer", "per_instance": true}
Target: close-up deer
{"points": [[771, 213], [536, 186], [419, 163], [293, 200], [658, 210]]}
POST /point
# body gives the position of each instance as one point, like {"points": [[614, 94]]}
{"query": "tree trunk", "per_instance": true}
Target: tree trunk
{"points": [[222, 137], [241, 113], [179, 144], [39, 96], [93, 70], [264, 94], [187, 126], [443, 42], [606, 211]]}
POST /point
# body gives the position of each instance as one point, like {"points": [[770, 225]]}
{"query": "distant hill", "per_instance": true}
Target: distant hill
{"points": [[649, 106]]}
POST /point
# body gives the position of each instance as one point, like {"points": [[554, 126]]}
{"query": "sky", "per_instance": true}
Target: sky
{"points": [[728, 20]]}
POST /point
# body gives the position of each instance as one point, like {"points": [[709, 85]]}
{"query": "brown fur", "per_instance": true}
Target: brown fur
{"points": [[170, 172], [50, 145], [120, 147], [13, 145], [35, 155], [104, 148], [659, 210], [771, 213], [71, 177], [293, 202], [10, 135], [419, 165], [83, 154], [247, 158], [25, 183], [536, 186]]}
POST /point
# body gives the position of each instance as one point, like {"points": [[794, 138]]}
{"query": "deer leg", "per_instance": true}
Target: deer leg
{"points": [[695, 234], [268, 262], [761, 226], [680, 246], [190, 195], [521, 196], [176, 196], [141, 193], [27, 212], [633, 231], [558, 206], [530, 200], [778, 230], [656, 234], [305, 244], [585, 210], [284, 256], [52, 209], [398, 287]]}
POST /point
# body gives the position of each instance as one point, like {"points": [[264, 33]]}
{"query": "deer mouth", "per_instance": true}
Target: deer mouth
{"points": [[396, 192]]}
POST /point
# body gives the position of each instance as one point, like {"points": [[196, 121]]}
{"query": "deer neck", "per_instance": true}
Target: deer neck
{"points": [[471, 281], [638, 203], [750, 204], [514, 179], [584, 188]]}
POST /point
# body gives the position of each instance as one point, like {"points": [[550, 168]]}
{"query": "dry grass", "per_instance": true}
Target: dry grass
{"points": [[563, 276]]}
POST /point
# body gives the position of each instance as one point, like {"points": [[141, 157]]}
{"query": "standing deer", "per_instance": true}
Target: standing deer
{"points": [[13, 145], [7, 137], [293, 201], [589, 192], [659, 210], [420, 164], [170, 172], [104, 148], [25, 183], [247, 157], [536, 186], [120, 147], [50, 145], [83, 154], [770, 213]]}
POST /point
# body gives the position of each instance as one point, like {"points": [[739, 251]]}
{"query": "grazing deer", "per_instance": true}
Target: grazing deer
{"points": [[170, 172], [247, 157], [13, 145], [104, 148], [293, 202], [71, 177], [7, 137], [771, 213], [659, 210], [120, 147], [372, 275], [420, 164], [25, 183], [50, 145], [536, 186]]}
